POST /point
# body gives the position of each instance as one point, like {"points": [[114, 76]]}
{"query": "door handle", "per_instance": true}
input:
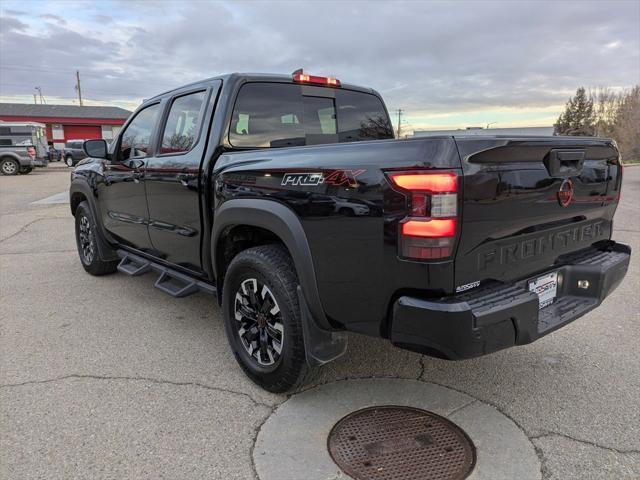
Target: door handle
{"points": [[135, 164], [185, 178], [565, 163]]}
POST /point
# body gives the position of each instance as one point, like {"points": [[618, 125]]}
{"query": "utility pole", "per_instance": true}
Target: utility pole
{"points": [[35, 99], [399, 122], [42, 100], [78, 87]]}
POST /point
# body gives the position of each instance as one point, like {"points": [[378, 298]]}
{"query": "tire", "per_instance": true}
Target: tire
{"points": [[347, 212], [9, 166], [87, 243], [249, 273], [69, 161], [26, 170]]}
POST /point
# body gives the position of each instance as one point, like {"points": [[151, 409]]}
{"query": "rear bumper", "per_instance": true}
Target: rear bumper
{"points": [[499, 316]]}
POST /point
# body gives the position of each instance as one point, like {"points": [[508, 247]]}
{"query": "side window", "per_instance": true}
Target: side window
{"points": [[136, 137], [181, 129]]}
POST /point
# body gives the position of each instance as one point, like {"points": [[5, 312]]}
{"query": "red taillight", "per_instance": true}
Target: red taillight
{"points": [[429, 232], [304, 78], [31, 151], [430, 228], [430, 182]]}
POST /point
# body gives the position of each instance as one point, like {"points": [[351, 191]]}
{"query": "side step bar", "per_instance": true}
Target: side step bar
{"points": [[170, 281]]}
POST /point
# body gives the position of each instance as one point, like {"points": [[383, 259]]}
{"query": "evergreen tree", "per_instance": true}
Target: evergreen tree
{"points": [[578, 117]]}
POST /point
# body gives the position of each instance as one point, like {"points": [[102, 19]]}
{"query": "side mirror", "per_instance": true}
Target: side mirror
{"points": [[95, 148]]}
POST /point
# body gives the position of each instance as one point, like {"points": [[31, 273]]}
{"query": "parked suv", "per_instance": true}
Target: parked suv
{"points": [[23, 146], [73, 152]]}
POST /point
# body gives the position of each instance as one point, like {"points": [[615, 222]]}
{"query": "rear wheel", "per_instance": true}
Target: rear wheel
{"points": [[87, 243], [69, 161], [9, 167], [262, 318], [26, 170]]}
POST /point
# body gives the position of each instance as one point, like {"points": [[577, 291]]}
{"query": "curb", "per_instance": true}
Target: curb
{"points": [[292, 443]]}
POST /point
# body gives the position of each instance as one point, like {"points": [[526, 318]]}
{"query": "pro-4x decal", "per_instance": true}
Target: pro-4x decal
{"points": [[312, 179], [304, 179]]}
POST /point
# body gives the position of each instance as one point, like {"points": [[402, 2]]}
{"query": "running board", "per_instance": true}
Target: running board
{"points": [[133, 265], [170, 281]]}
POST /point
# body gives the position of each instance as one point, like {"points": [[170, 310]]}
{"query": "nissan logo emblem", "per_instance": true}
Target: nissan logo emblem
{"points": [[565, 194]]}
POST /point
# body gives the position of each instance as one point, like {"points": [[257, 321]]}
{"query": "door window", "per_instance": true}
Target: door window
{"points": [[181, 130], [136, 138]]}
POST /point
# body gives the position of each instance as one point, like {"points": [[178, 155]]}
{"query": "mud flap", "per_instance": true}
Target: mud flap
{"points": [[321, 346]]}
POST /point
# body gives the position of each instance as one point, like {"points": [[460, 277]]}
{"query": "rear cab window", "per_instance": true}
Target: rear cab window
{"points": [[283, 115]]}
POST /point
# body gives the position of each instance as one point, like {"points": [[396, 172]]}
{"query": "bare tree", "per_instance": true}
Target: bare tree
{"points": [[627, 125], [606, 103]]}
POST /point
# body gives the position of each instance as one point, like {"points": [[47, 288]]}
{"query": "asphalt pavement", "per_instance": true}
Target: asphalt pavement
{"points": [[111, 378]]}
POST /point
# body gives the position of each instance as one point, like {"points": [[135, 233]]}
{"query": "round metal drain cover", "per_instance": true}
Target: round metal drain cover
{"points": [[400, 443]]}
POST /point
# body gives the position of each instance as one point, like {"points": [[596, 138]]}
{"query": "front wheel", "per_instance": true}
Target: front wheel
{"points": [[69, 161], [262, 318], [87, 243], [9, 167]]}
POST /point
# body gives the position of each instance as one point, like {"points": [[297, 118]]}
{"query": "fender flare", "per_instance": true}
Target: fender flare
{"points": [[284, 223], [105, 251]]}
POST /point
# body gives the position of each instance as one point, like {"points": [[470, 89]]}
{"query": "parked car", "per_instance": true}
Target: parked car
{"points": [[73, 152], [23, 146], [471, 245], [350, 208]]}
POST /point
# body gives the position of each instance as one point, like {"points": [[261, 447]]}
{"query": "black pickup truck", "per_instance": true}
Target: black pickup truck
{"points": [[288, 198]]}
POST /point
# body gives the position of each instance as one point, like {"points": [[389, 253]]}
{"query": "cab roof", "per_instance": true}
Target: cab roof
{"points": [[256, 77]]}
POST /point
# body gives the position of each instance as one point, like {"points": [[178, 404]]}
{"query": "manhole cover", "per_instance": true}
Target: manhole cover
{"points": [[400, 443]]}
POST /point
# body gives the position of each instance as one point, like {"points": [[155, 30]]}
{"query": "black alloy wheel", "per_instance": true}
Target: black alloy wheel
{"points": [[87, 243], [85, 240], [259, 322], [262, 318]]}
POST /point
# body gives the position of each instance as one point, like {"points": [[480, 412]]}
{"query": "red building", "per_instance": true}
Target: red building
{"points": [[68, 122]]}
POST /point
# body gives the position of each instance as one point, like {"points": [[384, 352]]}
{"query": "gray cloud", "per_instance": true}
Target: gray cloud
{"points": [[9, 11], [422, 56], [55, 18]]}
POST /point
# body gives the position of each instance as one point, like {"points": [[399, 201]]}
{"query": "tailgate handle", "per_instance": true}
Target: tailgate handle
{"points": [[565, 163]]}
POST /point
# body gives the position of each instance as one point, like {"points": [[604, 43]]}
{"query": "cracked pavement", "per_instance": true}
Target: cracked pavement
{"points": [[110, 378]]}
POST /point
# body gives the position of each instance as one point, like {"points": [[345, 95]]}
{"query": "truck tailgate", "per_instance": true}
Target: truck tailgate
{"points": [[529, 200]]}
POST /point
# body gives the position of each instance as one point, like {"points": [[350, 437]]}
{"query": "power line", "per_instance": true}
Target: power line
{"points": [[57, 70]]}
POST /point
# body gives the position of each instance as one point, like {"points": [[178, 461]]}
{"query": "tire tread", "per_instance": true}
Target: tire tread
{"points": [[278, 263]]}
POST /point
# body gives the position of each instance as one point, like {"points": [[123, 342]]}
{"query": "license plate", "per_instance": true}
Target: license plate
{"points": [[546, 287]]}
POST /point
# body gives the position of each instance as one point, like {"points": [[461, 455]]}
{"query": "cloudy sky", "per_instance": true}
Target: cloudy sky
{"points": [[446, 64]]}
